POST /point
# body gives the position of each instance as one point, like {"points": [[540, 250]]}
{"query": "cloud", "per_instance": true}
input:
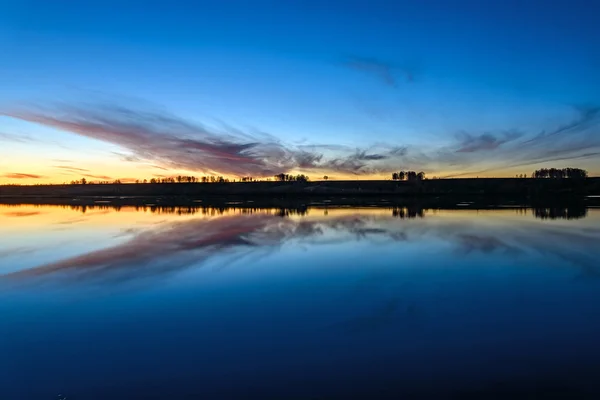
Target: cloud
{"points": [[385, 71], [171, 142], [588, 117], [363, 162], [165, 139], [71, 169], [9, 137], [167, 142], [102, 177], [306, 160], [576, 140], [127, 157], [484, 142], [19, 175], [83, 172]]}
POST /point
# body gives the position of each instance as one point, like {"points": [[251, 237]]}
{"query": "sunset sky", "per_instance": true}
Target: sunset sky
{"points": [[350, 89]]}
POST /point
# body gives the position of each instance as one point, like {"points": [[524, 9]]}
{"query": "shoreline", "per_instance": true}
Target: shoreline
{"points": [[513, 187], [449, 202]]}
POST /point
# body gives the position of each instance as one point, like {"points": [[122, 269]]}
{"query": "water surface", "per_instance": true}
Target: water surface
{"points": [[159, 302]]}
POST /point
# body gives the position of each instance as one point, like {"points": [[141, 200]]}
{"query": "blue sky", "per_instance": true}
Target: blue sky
{"points": [[345, 88]]}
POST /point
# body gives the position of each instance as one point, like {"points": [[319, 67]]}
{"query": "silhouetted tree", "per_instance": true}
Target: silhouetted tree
{"points": [[325, 177], [83, 181], [408, 175], [554, 173]]}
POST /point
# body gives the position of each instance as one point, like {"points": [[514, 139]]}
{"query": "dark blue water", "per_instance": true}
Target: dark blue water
{"points": [[328, 304]]}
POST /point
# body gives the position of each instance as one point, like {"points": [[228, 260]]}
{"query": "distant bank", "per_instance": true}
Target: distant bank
{"points": [[521, 187]]}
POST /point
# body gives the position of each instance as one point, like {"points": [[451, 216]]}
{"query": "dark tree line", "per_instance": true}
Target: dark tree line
{"points": [[176, 179], [291, 178], [205, 179], [408, 176], [555, 173]]}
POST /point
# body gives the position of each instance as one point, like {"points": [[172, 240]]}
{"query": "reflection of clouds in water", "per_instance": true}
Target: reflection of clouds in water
{"points": [[161, 249], [379, 317], [470, 243], [127, 232], [384, 315], [21, 213], [71, 221], [16, 251], [173, 246]]}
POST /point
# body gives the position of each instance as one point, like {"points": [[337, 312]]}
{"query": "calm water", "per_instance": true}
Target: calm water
{"points": [[101, 303]]}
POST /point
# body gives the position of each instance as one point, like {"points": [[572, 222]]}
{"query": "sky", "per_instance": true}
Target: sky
{"points": [[349, 89]]}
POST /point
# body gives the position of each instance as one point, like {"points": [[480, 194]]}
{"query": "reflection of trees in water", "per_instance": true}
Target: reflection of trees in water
{"points": [[571, 212], [192, 210], [408, 212], [286, 212], [542, 211]]}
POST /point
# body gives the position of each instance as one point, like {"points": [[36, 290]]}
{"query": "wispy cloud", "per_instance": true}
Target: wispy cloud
{"points": [[167, 142], [171, 142], [576, 140], [362, 162], [83, 172], [388, 72], [127, 157], [10, 137], [102, 177], [486, 141], [165, 139], [588, 117], [71, 169], [19, 175]]}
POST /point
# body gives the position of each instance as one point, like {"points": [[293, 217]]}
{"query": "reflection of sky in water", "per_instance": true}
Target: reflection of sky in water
{"points": [[319, 302]]}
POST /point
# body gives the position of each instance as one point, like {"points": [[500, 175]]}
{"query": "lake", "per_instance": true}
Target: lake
{"points": [[313, 303]]}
